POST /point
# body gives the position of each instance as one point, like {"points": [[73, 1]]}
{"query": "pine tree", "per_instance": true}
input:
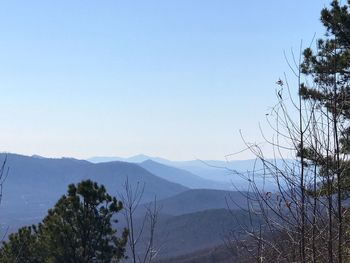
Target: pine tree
{"points": [[308, 221], [78, 229], [22, 246], [329, 69]]}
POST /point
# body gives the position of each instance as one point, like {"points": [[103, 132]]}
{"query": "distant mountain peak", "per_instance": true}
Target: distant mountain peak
{"points": [[150, 161], [38, 156], [139, 158]]}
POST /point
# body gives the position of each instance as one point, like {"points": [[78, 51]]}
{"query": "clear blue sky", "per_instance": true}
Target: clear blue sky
{"points": [[170, 78]]}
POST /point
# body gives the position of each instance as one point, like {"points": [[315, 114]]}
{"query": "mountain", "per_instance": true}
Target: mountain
{"points": [[105, 159], [231, 172], [217, 254], [35, 184], [183, 234], [181, 176], [196, 200], [218, 171], [192, 165], [133, 159]]}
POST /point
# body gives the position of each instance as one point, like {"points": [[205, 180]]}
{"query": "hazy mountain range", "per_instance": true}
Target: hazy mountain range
{"points": [[191, 195], [34, 184], [196, 200], [222, 171], [182, 176], [191, 232], [225, 174]]}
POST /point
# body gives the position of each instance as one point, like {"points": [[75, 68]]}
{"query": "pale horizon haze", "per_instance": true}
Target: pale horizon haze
{"points": [[173, 79]]}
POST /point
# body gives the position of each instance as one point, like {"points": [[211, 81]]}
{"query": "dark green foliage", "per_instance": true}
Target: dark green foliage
{"points": [[78, 229], [329, 67], [337, 22], [22, 247]]}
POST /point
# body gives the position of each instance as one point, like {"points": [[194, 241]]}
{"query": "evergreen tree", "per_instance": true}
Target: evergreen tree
{"points": [[78, 229], [22, 247], [329, 67], [312, 222]]}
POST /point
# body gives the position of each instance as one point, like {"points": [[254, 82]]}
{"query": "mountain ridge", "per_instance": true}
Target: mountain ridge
{"points": [[35, 184], [181, 176]]}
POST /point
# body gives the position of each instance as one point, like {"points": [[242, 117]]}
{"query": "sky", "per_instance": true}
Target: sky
{"points": [[177, 79]]}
